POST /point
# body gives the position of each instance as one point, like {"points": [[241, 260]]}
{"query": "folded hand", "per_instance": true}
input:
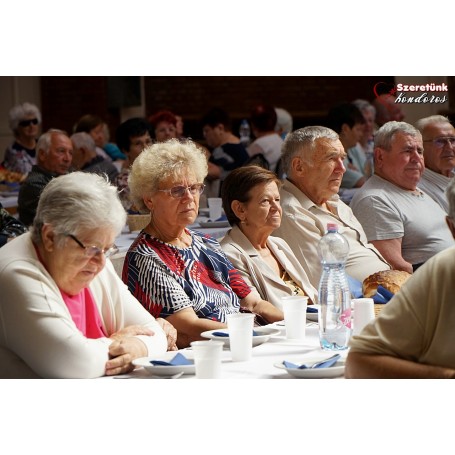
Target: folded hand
{"points": [[171, 334]]}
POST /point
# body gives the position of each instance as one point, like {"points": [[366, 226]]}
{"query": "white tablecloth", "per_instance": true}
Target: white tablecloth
{"points": [[265, 356]]}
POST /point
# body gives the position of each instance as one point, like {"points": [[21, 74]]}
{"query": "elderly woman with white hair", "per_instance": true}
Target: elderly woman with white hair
{"points": [[176, 272], [64, 312], [24, 121]]}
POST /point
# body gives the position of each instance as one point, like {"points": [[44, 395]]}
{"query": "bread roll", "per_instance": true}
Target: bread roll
{"points": [[392, 280]]}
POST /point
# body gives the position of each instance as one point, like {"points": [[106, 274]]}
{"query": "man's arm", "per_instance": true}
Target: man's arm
{"points": [[391, 250], [370, 366]]}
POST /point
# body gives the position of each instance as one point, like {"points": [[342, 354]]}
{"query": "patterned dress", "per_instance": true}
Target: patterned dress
{"points": [[167, 279]]}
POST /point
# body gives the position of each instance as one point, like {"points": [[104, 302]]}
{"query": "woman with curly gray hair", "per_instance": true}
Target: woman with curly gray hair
{"points": [[24, 121], [175, 272]]}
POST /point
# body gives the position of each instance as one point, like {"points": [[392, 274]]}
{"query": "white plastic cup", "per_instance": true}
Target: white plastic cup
{"points": [[363, 313], [294, 309], [215, 206], [240, 327], [207, 358]]}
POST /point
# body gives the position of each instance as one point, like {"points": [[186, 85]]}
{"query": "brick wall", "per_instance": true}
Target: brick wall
{"points": [[307, 98]]}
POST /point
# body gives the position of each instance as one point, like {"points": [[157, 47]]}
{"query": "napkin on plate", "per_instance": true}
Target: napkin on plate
{"points": [[178, 359], [323, 364], [225, 334], [221, 218], [310, 309]]}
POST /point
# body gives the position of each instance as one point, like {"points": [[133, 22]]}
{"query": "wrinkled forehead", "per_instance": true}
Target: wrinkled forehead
{"points": [[325, 146]]}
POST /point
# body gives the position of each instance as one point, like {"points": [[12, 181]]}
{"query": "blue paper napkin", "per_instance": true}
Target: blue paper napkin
{"points": [[310, 309], [327, 364], [179, 359], [226, 334], [355, 286]]}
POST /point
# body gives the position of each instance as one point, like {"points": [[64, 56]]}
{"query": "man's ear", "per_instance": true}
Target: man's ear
{"points": [[298, 166]]}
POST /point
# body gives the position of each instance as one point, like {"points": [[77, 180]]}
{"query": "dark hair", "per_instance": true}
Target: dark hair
{"points": [[344, 114], [162, 116], [132, 127], [87, 123], [239, 183], [263, 118], [216, 116]]}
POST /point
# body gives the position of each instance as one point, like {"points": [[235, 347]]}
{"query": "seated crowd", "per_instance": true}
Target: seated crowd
{"points": [[65, 312]]}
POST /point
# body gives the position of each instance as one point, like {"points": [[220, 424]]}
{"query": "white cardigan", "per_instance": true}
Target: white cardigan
{"points": [[38, 337], [258, 275]]}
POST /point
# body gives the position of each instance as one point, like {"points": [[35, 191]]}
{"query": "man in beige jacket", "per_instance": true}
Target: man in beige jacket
{"points": [[312, 159]]}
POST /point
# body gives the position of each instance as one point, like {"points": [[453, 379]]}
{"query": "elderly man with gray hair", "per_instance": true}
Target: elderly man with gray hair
{"points": [[312, 159], [424, 311], [439, 152], [53, 158], [86, 159], [406, 225]]}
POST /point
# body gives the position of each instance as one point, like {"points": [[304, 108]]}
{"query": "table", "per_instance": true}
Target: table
{"points": [[261, 366]]}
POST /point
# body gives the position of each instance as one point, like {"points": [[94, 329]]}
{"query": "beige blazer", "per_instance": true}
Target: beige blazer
{"points": [[258, 275]]}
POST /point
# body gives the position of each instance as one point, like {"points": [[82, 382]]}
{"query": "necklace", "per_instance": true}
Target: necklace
{"points": [[184, 238]]}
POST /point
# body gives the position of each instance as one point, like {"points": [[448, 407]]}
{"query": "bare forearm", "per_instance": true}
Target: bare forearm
{"points": [[269, 312], [368, 366], [189, 330]]}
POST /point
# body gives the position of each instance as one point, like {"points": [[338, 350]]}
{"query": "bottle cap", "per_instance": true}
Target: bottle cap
{"points": [[332, 227]]}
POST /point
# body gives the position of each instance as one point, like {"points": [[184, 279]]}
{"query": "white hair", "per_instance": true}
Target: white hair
{"points": [[77, 202]]}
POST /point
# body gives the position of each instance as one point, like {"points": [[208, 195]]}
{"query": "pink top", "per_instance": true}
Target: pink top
{"points": [[84, 313]]}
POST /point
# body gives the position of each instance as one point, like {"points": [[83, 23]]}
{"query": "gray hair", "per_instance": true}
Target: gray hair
{"points": [[422, 123], [19, 112], [450, 193], [84, 141], [385, 135], [283, 120], [364, 105], [77, 202], [160, 161], [44, 142], [301, 142]]}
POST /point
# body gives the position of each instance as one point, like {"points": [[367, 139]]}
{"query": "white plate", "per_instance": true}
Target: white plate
{"points": [[265, 333], [165, 370], [214, 224], [317, 373]]}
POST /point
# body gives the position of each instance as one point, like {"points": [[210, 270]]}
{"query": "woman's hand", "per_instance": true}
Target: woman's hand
{"points": [[171, 334], [125, 348], [122, 353], [131, 331]]}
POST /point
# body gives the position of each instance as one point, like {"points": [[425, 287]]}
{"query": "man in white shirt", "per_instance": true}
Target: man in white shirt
{"points": [[439, 153]]}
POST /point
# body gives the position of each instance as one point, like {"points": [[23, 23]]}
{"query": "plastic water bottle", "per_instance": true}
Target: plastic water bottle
{"points": [[334, 294], [244, 132]]}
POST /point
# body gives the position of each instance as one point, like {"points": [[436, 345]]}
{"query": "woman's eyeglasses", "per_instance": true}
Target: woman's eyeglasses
{"points": [[24, 123], [178, 192], [91, 251]]}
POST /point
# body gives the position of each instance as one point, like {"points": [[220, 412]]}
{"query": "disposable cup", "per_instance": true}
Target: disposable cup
{"points": [[240, 327], [363, 313], [294, 309], [207, 358], [215, 206]]}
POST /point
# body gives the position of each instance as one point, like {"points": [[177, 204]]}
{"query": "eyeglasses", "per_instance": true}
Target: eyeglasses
{"points": [[178, 192], [24, 123], [91, 251], [439, 142]]}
